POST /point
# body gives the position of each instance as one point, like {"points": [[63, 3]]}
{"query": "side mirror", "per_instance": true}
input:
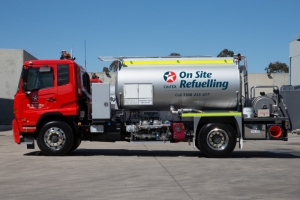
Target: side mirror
{"points": [[24, 77], [24, 86], [24, 74]]}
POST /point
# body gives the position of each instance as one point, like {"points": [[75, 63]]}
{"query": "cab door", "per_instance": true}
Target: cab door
{"points": [[40, 93], [67, 103]]}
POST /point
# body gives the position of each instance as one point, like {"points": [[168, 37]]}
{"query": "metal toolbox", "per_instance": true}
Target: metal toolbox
{"points": [[254, 131]]}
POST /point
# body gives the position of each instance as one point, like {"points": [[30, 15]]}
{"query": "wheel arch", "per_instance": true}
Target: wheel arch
{"points": [[221, 120], [55, 116]]}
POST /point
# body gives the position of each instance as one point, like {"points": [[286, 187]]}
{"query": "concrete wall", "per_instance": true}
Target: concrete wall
{"points": [[295, 62], [11, 61], [110, 78], [277, 79]]}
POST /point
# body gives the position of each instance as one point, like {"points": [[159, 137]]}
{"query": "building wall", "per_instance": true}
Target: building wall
{"points": [[277, 79], [11, 61], [295, 62], [110, 78]]}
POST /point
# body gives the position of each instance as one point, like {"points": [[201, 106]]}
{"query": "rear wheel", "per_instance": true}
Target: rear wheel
{"points": [[217, 140], [197, 145], [55, 138]]}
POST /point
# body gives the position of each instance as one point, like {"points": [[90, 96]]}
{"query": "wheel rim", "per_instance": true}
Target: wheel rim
{"points": [[217, 139], [55, 138]]}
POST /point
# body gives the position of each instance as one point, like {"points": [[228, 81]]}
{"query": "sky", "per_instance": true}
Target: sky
{"points": [[261, 30]]}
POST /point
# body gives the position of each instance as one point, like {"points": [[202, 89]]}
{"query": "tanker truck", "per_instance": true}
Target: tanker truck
{"points": [[204, 101]]}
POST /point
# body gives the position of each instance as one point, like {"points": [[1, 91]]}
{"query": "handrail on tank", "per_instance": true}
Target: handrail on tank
{"points": [[243, 69]]}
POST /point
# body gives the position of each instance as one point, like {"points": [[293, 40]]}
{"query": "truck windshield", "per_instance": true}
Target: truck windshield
{"points": [[38, 80]]}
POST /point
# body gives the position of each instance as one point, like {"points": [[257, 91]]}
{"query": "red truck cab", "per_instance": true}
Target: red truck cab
{"points": [[49, 89]]}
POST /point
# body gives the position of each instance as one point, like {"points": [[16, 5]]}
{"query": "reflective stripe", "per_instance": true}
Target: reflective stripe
{"points": [[212, 114], [178, 62]]}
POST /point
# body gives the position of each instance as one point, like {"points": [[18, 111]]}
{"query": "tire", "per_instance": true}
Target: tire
{"points": [[197, 146], [55, 138], [216, 140], [76, 143]]}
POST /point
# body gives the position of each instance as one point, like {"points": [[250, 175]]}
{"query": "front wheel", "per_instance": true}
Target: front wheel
{"points": [[55, 138], [76, 143], [217, 140]]}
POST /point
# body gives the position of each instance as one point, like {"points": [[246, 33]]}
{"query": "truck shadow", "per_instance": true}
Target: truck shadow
{"points": [[164, 153], [263, 154], [126, 152]]}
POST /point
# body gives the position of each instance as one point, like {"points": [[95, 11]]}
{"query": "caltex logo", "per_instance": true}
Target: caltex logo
{"points": [[170, 76]]}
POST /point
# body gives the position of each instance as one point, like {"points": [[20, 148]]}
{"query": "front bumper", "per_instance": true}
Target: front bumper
{"points": [[16, 131], [22, 134]]}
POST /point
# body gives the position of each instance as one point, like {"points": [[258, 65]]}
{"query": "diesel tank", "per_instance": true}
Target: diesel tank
{"points": [[198, 83]]}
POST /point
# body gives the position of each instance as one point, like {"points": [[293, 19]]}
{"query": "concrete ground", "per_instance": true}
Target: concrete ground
{"points": [[98, 170]]}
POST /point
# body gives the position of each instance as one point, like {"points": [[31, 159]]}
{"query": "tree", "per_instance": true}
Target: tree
{"points": [[277, 67], [226, 53], [175, 54]]}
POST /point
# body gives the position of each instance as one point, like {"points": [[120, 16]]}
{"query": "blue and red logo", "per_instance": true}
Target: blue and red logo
{"points": [[170, 76]]}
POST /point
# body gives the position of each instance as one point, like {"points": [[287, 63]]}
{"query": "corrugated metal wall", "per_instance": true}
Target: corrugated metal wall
{"points": [[295, 62]]}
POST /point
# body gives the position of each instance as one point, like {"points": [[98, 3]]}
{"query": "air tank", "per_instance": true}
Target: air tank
{"points": [[155, 84]]}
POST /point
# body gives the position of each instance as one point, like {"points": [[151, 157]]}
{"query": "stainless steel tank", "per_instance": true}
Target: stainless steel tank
{"points": [[157, 86]]}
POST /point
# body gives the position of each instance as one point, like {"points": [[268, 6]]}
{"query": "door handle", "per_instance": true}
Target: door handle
{"points": [[51, 99]]}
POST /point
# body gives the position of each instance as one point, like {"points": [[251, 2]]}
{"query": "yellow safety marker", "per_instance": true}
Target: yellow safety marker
{"points": [[212, 114], [178, 62]]}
